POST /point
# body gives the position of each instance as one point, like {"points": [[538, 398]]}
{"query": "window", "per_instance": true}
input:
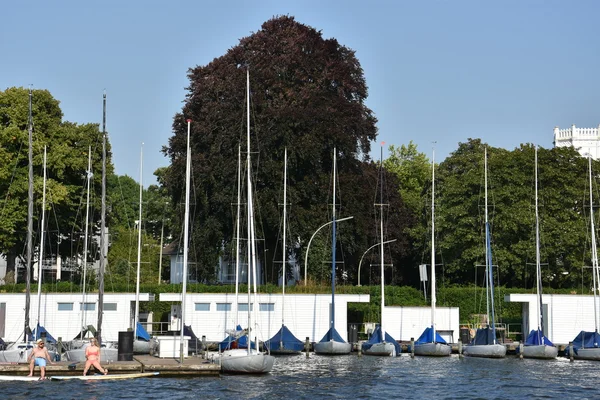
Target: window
{"points": [[65, 306], [110, 306], [223, 306], [202, 306], [267, 307], [87, 306], [244, 307]]}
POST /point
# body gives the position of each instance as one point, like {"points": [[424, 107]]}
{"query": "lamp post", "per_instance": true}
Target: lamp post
{"points": [[363, 256], [311, 238]]}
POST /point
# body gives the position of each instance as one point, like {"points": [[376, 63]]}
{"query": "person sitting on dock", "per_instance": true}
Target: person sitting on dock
{"points": [[92, 355], [38, 356]]}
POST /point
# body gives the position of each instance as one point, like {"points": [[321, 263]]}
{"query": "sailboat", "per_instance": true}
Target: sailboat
{"points": [[381, 343], [332, 343], [19, 352], [430, 343], [142, 342], [249, 360], [284, 342], [537, 345], [586, 346], [485, 344], [107, 352], [236, 338], [39, 329]]}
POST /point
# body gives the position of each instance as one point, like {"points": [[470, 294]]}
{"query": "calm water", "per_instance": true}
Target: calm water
{"points": [[350, 377]]}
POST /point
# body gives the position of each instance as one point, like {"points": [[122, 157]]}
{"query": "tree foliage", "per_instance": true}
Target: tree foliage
{"points": [[68, 146], [307, 94], [562, 185]]}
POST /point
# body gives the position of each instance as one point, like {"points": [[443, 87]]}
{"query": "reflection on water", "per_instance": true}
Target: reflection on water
{"points": [[350, 377]]}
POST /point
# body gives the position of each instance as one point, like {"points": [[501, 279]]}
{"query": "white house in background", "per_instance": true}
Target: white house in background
{"points": [[585, 140], [565, 315], [404, 323], [306, 315], [64, 314]]}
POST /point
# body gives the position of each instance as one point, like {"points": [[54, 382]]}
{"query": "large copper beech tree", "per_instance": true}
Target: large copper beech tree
{"points": [[307, 94]]}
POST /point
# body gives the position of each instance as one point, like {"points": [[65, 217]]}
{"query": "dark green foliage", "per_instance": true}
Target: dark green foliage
{"points": [[562, 187], [307, 94]]}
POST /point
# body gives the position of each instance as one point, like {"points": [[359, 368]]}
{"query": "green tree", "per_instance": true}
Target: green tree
{"points": [[511, 200], [67, 160]]}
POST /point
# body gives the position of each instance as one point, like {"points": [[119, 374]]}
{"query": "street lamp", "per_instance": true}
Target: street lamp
{"points": [[363, 256], [311, 238]]}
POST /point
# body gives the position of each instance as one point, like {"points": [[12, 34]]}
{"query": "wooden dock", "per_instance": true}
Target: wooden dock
{"points": [[191, 367]]}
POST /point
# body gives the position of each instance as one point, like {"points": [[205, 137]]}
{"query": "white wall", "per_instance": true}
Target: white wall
{"points": [[67, 324], [567, 314], [404, 323], [306, 315]]}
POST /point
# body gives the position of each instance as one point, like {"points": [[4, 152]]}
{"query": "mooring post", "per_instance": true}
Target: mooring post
{"points": [[359, 349], [412, 347], [459, 348], [571, 351], [59, 347], [307, 346], [521, 350], [204, 346]]}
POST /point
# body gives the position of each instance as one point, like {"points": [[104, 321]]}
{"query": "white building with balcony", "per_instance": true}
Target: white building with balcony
{"points": [[585, 140]]}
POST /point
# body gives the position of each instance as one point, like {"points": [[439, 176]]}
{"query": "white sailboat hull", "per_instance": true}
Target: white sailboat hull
{"points": [[592, 353], [381, 349], [540, 351], [19, 352], [485, 350], [332, 348], [239, 361], [433, 349], [78, 355], [145, 347]]}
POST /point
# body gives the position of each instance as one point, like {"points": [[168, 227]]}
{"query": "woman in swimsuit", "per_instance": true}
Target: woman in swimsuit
{"points": [[92, 355]]}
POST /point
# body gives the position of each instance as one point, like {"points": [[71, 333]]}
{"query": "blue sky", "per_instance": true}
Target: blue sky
{"points": [[445, 71]]}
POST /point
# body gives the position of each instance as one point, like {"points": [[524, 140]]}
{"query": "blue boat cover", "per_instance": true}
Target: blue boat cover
{"points": [[584, 340], [236, 341], [286, 339], [376, 338], [483, 336], [537, 338], [37, 334], [332, 334], [427, 337], [141, 333]]}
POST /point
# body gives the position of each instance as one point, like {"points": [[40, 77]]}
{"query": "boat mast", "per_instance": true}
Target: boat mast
{"points": [[489, 263], [284, 252], [85, 240], [102, 228], [433, 291], [39, 291], [29, 220], [537, 253], [487, 241], [594, 249], [139, 250], [186, 227], [237, 237], [381, 327], [251, 232], [333, 250]]}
